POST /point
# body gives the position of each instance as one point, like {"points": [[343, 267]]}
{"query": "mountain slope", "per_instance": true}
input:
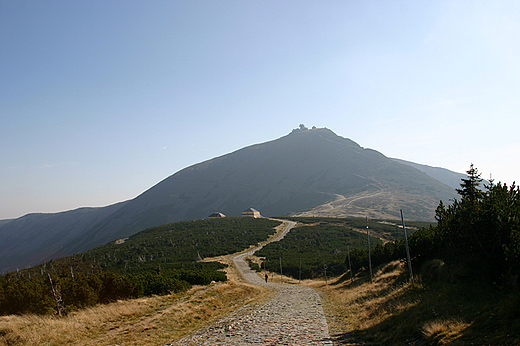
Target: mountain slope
{"points": [[299, 171], [4, 222], [445, 176], [33, 238]]}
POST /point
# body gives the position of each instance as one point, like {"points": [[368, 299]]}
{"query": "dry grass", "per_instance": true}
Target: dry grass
{"points": [[383, 205], [389, 311], [443, 331], [145, 321], [360, 306], [392, 311]]}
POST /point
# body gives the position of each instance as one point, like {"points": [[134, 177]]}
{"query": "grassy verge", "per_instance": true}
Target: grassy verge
{"points": [[393, 312]]}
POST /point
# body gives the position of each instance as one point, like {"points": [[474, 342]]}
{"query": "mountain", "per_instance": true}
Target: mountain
{"points": [[445, 176], [33, 238], [6, 221], [302, 171]]}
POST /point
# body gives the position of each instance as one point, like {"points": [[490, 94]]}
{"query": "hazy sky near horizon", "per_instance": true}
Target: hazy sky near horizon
{"points": [[100, 100]]}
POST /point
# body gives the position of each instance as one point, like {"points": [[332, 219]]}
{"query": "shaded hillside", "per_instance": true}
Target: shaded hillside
{"points": [[299, 171], [445, 176], [33, 238], [5, 222]]}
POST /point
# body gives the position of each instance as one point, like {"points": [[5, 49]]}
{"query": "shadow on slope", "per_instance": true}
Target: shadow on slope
{"points": [[443, 312]]}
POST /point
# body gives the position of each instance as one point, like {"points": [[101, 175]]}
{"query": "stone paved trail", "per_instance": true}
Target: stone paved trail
{"points": [[293, 317]]}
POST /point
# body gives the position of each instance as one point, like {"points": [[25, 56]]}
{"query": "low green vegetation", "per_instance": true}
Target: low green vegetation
{"points": [[320, 246], [313, 250], [386, 229], [155, 261], [477, 236], [182, 245]]}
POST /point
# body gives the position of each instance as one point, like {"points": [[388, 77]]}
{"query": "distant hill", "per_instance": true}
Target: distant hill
{"points": [[33, 238], [445, 176], [298, 172], [6, 221]]}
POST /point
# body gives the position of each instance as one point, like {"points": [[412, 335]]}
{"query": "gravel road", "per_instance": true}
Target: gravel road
{"points": [[293, 317]]}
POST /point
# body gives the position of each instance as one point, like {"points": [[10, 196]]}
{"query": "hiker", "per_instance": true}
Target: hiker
{"points": [[266, 277]]}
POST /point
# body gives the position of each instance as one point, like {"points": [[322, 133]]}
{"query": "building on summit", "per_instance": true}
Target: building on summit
{"points": [[250, 212], [217, 214]]}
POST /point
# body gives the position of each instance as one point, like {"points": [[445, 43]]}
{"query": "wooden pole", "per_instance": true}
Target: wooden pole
{"points": [[300, 273], [369, 258], [349, 265], [325, 270], [281, 278], [407, 249]]}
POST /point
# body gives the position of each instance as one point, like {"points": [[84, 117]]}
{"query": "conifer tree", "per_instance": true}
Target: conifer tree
{"points": [[470, 188]]}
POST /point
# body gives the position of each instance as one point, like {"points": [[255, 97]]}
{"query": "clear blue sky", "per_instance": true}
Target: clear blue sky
{"points": [[100, 100]]}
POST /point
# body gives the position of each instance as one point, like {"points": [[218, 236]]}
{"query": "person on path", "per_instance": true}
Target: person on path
{"points": [[266, 277]]}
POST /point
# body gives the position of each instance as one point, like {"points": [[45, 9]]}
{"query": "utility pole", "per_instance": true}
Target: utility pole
{"points": [[369, 258], [407, 249]]}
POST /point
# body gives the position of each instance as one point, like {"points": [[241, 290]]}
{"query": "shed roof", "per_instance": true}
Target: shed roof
{"points": [[251, 210], [217, 214]]}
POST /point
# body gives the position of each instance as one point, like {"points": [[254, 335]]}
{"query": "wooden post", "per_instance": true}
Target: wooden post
{"points": [[300, 274], [325, 270], [407, 249], [369, 258], [349, 265], [281, 277]]}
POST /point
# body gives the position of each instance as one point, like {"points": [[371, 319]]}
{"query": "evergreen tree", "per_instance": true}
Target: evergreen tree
{"points": [[480, 230], [470, 188]]}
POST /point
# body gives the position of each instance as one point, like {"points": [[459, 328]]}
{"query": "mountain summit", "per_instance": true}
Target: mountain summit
{"points": [[309, 171]]}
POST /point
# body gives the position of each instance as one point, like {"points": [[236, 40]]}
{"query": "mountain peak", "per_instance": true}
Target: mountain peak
{"points": [[300, 173], [302, 128], [316, 135]]}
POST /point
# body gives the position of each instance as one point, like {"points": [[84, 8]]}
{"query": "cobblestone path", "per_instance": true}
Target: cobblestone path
{"points": [[293, 317]]}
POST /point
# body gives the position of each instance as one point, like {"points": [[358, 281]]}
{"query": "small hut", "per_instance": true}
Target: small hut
{"points": [[217, 214], [250, 212]]}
